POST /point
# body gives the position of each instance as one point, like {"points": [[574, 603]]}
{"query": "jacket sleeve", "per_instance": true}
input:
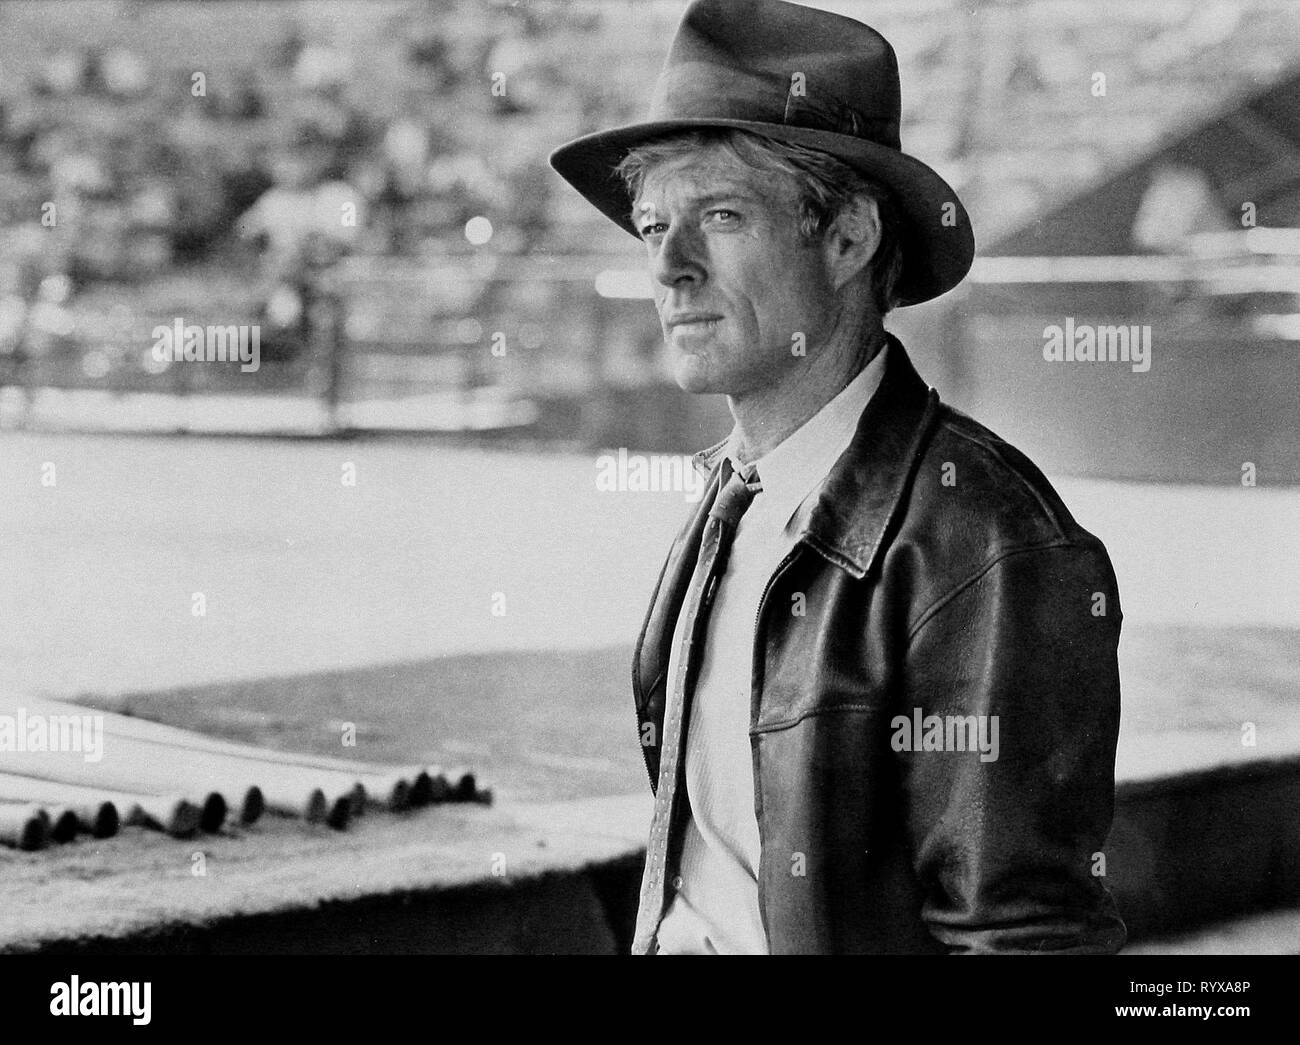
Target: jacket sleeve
{"points": [[1006, 841]]}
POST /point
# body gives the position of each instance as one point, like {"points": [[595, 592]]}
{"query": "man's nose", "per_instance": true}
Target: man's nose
{"points": [[680, 257]]}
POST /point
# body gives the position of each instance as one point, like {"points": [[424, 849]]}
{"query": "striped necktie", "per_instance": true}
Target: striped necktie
{"points": [[715, 546]]}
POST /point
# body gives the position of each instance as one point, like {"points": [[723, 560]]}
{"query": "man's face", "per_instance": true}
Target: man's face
{"points": [[737, 288]]}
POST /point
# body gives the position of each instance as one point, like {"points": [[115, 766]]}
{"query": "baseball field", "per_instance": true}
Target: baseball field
{"points": [[478, 606]]}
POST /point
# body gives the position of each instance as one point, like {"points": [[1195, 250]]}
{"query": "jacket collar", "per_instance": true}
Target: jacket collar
{"points": [[859, 498]]}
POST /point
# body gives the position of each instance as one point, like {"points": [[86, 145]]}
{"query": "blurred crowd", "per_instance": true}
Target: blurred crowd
{"points": [[116, 172]]}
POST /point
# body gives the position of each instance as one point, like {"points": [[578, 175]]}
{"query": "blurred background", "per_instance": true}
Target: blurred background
{"points": [[446, 322], [198, 158]]}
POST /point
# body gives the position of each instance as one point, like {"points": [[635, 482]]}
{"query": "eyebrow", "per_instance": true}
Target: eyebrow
{"points": [[703, 201]]}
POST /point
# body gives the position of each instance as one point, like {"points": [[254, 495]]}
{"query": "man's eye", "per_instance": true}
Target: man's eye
{"points": [[724, 217], [655, 229]]}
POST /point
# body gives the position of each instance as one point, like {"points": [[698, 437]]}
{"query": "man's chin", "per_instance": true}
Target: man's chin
{"points": [[691, 376]]}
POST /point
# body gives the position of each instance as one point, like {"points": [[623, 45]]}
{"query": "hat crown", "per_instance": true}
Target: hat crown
{"points": [[780, 63]]}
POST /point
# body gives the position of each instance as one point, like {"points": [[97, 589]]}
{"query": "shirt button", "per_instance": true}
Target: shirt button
{"points": [[677, 883]]}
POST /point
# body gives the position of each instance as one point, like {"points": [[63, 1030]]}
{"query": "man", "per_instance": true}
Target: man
{"points": [[877, 683]]}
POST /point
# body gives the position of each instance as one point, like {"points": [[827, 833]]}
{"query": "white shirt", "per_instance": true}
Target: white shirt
{"points": [[715, 908]]}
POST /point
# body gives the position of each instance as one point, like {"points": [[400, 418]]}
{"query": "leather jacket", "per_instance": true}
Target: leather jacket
{"points": [[941, 576]]}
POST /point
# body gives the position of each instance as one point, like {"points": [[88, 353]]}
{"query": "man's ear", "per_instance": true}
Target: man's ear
{"points": [[852, 240]]}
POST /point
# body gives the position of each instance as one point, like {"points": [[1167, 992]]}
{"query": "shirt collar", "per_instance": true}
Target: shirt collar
{"points": [[794, 468]]}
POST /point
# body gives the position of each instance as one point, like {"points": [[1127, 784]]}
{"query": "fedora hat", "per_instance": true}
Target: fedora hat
{"points": [[797, 75]]}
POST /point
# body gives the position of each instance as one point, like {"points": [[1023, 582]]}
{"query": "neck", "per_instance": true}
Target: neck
{"points": [[767, 416]]}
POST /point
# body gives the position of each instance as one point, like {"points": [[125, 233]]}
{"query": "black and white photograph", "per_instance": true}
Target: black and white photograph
{"points": [[650, 477]]}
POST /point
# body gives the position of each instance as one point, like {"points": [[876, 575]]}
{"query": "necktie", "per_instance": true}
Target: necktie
{"points": [[715, 546]]}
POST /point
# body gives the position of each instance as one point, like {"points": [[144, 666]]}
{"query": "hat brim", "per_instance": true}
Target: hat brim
{"points": [[937, 243]]}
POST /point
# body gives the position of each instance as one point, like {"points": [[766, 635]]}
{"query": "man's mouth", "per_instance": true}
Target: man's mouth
{"points": [[693, 319]]}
